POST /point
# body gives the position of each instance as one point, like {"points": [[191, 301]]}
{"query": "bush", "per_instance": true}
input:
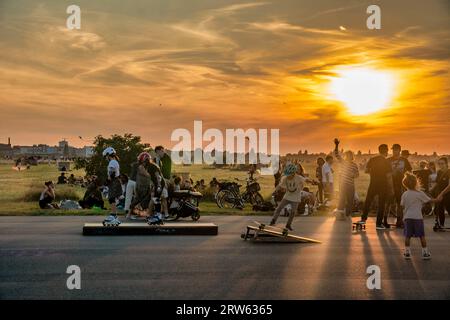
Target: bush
{"points": [[62, 192], [127, 147]]}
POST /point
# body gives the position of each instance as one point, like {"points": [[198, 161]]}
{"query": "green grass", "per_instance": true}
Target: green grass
{"points": [[19, 189]]}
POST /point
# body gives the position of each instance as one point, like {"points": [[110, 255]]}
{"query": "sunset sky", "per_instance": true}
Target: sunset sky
{"points": [[149, 67]]}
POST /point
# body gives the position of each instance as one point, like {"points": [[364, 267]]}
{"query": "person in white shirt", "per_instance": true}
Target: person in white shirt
{"points": [[327, 178], [114, 185], [412, 202], [293, 184]]}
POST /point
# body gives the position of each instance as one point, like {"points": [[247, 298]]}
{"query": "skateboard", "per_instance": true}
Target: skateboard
{"points": [[264, 232], [440, 229], [263, 226], [358, 226]]}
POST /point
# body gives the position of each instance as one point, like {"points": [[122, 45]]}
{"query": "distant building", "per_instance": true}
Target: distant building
{"points": [[6, 149], [62, 150]]}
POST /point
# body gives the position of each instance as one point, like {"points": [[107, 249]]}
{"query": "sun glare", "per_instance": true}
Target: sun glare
{"points": [[363, 90]]}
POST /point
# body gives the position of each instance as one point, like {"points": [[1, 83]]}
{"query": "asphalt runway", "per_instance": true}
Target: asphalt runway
{"points": [[36, 251]]}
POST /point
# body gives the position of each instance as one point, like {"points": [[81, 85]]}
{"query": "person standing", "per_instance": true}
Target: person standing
{"points": [[423, 176], [320, 162], [130, 192], [114, 185], [164, 162], [380, 173], [327, 178], [399, 166], [348, 172], [440, 191]]}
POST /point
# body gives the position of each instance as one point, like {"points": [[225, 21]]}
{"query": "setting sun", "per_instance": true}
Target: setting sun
{"points": [[363, 90]]}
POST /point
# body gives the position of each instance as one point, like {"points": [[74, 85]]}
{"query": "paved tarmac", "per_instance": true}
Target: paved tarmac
{"points": [[36, 251]]}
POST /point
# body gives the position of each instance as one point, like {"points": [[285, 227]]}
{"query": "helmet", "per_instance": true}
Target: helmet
{"points": [[290, 169], [144, 156], [109, 151]]}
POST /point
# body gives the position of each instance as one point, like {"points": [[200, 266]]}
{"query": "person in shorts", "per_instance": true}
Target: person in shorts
{"points": [[412, 201]]}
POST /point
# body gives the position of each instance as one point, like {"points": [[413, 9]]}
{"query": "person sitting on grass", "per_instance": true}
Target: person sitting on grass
{"points": [[62, 178], [412, 202], [93, 195], [71, 180], [48, 196]]}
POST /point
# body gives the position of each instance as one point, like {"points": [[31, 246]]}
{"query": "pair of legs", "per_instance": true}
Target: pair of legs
{"points": [[129, 194], [398, 191], [440, 210], [423, 242], [283, 203], [375, 190], [346, 198], [320, 192], [115, 191], [328, 191]]}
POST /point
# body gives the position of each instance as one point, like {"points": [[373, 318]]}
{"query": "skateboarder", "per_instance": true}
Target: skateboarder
{"points": [[293, 183], [114, 185]]}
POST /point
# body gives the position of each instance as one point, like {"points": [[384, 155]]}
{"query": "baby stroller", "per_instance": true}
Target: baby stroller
{"points": [[183, 204]]}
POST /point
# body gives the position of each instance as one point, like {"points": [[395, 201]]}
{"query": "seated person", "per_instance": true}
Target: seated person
{"points": [[213, 183], [47, 197], [62, 178], [93, 196], [71, 179]]}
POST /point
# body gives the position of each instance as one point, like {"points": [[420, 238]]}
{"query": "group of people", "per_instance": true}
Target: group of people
{"points": [[392, 181], [146, 186]]}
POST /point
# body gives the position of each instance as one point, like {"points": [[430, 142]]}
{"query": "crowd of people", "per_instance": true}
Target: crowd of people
{"points": [[393, 183]]}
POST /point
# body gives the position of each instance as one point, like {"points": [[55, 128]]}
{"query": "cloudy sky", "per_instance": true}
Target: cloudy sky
{"points": [[148, 67]]}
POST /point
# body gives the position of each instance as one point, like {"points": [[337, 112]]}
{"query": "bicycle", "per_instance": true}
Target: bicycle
{"points": [[229, 195]]}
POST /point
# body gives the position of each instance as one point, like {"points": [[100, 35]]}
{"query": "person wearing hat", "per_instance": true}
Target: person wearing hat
{"points": [[380, 173], [399, 165]]}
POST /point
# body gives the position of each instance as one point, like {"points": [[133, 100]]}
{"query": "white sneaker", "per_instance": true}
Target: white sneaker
{"points": [[426, 256], [407, 255], [111, 220]]}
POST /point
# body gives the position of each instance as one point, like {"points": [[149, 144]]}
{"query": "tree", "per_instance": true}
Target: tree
{"points": [[127, 147]]}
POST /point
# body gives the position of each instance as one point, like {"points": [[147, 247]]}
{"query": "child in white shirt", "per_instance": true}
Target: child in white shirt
{"points": [[412, 202]]}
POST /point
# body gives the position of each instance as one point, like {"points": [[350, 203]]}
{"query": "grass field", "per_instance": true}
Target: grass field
{"points": [[18, 189]]}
